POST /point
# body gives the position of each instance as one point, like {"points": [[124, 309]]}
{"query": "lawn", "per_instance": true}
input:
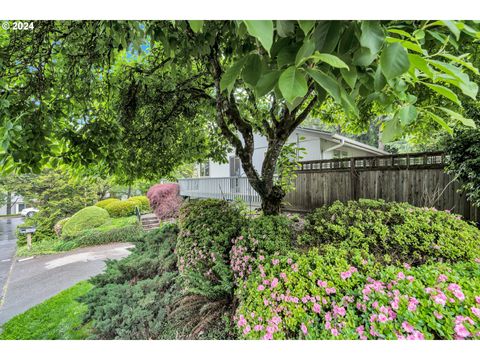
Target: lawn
{"points": [[59, 317]]}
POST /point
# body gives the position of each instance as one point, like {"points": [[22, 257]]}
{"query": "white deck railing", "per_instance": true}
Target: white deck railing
{"points": [[228, 188]]}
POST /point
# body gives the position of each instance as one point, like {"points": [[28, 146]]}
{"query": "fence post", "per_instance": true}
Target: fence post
{"points": [[354, 181]]}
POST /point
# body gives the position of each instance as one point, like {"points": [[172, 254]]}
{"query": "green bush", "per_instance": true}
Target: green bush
{"points": [[343, 294], [207, 228], [87, 218], [142, 202], [95, 237], [104, 203], [393, 232], [121, 208], [260, 236]]}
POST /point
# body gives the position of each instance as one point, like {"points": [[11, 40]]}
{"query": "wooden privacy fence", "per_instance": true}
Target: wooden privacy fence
{"points": [[417, 178]]}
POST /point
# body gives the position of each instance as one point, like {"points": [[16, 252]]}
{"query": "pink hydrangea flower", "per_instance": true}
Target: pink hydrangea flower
{"points": [[260, 288], [317, 308], [258, 327], [275, 261], [438, 315], [283, 276], [400, 275], [304, 329], [407, 327], [261, 258], [461, 331], [339, 310], [334, 332], [322, 283], [407, 266], [242, 321], [274, 283], [410, 278], [382, 318], [412, 304], [360, 330], [268, 336], [442, 278], [345, 275], [477, 299], [475, 311], [330, 290], [246, 330]]}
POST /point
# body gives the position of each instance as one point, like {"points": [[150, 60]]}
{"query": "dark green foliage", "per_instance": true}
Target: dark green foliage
{"points": [[464, 155], [94, 237], [207, 228], [393, 232], [268, 234], [131, 299], [153, 254]]}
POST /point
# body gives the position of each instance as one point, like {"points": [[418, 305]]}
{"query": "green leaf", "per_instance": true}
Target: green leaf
{"points": [[407, 114], [363, 57], [306, 25], [462, 62], [266, 83], [326, 82], [456, 116], [400, 32], [391, 130], [252, 69], [446, 92], [379, 80], [292, 84], [348, 104], [350, 76], [452, 27], [372, 36], [394, 61], [457, 78], [331, 60], [285, 27], [262, 30], [440, 121], [230, 76], [196, 25], [304, 52], [421, 64], [406, 44]]}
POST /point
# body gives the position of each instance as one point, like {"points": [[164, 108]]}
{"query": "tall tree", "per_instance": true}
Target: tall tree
{"points": [[249, 76]]}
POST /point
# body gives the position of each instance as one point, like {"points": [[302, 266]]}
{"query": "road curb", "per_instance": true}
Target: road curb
{"points": [[5, 286]]}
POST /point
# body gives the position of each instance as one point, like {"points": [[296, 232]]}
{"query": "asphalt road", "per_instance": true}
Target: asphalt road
{"points": [[7, 248], [34, 280]]}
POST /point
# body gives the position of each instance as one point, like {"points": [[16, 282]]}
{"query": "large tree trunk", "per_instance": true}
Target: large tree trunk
{"points": [[272, 202]]}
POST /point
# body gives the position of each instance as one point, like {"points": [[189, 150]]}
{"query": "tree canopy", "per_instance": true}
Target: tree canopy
{"points": [[143, 97]]}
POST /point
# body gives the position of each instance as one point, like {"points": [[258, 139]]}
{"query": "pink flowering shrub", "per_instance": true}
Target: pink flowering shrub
{"points": [[346, 295], [204, 244], [164, 200], [393, 232], [260, 236]]}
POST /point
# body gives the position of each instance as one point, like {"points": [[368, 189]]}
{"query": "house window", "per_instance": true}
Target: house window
{"points": [[340, 154], [204, 169]]}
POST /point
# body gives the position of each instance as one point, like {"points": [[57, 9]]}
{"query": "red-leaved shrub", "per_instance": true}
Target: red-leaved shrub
{"points": [[164, 200]]}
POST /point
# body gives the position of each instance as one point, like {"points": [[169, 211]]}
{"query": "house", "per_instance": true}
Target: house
{"points": [[16, 206], [216, 180]]}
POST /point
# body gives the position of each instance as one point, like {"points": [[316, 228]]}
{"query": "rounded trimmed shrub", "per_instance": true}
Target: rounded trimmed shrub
{"points": [[346, 295], [104, 203], [121, 208], [87, 218], [142, 202], [394, 233]]}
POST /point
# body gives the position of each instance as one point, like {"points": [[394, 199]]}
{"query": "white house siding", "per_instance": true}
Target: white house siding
{"points": [[313, 143], [16, 208]]}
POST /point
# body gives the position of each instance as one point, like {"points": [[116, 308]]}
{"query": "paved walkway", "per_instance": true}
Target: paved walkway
{"points": [[34, 280]]}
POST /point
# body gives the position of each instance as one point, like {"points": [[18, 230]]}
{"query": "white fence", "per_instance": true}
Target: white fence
{"points": [[228, 188]]}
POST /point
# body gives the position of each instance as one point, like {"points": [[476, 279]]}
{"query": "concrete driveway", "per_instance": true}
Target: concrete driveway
{"points": [[33, 280]]}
